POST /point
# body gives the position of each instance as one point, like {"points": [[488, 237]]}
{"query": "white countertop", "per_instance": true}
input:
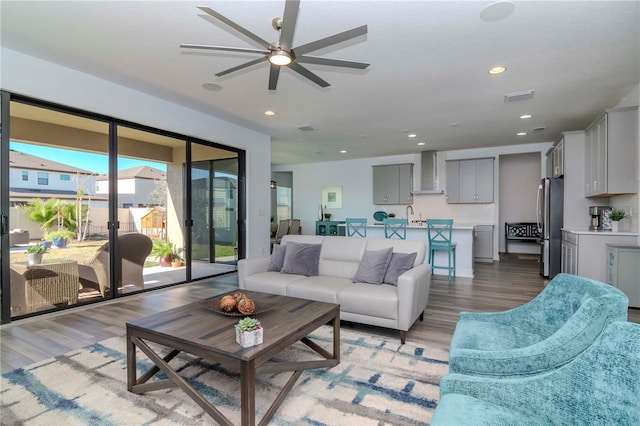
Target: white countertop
{"points": [[603, 233], [456, 225]]}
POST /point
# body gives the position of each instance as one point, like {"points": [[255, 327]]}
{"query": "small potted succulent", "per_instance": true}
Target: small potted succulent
{"points": [[35, 253], [249, 332], [616, 216]]}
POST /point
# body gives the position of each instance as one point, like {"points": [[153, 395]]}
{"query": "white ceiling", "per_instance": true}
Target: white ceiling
{"points": [[429, 62]]}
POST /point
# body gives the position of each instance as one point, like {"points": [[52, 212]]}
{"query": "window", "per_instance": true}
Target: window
{"points": [[25, 175], [43, 178], [65, 177]]}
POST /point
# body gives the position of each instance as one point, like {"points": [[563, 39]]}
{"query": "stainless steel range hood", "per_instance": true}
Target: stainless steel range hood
{"points": [[429, 173]]}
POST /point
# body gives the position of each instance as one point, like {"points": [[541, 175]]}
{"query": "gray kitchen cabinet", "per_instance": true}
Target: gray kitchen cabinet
{"points": [[393, 184], [558, 159], [549, 163], [583, 252], [483, 243], [470, 181], [623, 270], [611, 153], [453, 182]]}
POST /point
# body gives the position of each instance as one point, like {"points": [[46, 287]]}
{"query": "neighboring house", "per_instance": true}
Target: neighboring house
{"points": [[36, 177], [140, 186]]}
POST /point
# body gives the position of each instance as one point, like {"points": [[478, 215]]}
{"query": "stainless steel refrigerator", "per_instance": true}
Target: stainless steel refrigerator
{"points": [[550, 213]]}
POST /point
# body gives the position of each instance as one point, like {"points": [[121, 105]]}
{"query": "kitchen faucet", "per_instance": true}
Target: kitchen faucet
{"points": [[406, 212]]}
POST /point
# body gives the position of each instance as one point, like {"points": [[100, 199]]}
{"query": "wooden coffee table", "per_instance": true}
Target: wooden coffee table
{"points": [[202, 332]]}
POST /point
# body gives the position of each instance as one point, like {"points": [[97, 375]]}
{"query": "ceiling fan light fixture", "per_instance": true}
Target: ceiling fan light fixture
{"points": [[280, 57]]}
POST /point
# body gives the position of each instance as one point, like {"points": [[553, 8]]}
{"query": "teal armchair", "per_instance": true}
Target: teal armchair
{"points": [[600, 386], [541, 335]]}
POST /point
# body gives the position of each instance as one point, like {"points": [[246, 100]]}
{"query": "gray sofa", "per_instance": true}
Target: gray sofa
{"points": [[384, 305]]}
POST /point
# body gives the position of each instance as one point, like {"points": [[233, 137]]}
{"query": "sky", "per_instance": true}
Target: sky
{"points": [[83, 160]]}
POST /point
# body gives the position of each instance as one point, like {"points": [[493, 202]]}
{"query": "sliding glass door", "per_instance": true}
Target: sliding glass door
{"points": [[93, 208], [214, 209], [57, 219]]}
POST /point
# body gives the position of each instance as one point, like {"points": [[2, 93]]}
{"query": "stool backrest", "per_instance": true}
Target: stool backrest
{"points": [[395, 228], [356, 226], [439, 231]]}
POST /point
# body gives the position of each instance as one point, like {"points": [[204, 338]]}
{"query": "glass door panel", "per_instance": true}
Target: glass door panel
{"points": [[55, 159], [149, 203], [214, 209]]}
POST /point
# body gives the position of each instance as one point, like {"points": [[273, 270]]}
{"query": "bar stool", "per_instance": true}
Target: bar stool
{"points": [[356, 226], [395, 228], [439, 233]]}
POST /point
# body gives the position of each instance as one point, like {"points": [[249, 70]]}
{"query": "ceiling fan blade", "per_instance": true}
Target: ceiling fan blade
{"points": [[273, 76], [331, 40], [242, 66], [306, 73], [235, 26], [223, 48], [289, 23], [332, 62]]}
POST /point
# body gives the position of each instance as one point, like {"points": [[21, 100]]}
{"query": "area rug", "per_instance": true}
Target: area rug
{"points": [[378, 381]]}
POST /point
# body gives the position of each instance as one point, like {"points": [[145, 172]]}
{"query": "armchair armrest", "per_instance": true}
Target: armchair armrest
{"points": [[248, 267], [413, 294]]}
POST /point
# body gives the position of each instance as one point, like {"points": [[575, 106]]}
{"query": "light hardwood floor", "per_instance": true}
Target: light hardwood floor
{"points": [[498, 286]]}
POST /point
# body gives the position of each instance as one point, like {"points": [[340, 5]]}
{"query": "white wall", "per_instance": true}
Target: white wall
{"points": [[519, 180], [356, 179], [44, 80]]}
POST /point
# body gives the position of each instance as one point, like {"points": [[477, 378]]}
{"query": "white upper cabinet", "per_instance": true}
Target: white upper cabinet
{"points": [[611, 154]]}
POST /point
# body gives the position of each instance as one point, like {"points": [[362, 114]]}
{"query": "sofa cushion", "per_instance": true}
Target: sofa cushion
{"points": [[301, 259], [340, 256], [319, 288], [277, 258], [373, 266], [270, 282], [365, 299], [398, 265]]}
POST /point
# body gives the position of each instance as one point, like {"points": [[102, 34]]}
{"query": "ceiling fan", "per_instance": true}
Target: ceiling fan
{"points": [[282, 53]]}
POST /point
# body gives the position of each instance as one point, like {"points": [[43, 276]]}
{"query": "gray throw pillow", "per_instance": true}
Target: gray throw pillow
{"points": [[277, 258], [399, 264], [373, 266], [301, 259]]}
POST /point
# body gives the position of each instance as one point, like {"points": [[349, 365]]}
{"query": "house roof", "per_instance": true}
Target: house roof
{"points": [[428, 73], [21, 160], [138, 172]]}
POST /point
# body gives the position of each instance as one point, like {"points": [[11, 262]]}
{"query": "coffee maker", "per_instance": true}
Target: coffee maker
{"points": [[600, 218]]}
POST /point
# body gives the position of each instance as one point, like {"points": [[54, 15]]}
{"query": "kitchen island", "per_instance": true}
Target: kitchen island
{"points": [[462, 235]]}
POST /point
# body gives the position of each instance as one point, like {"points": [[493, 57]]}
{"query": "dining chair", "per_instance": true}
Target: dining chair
{"points": [[294, 226], [395, 228], [356, 226], [439, 234], [283, 229]]}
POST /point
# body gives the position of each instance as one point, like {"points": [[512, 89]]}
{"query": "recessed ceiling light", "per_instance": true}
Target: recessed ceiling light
{"points": [[454, 124], [212, 86], [521, 133], [411, 135], [525, 116], [343, 151], [421, 143], [269, 112], [497, 70]]}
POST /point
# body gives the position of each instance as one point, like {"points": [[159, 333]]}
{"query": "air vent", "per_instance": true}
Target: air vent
{"points": [[306, 128], [518, 96], [539, 129]]}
